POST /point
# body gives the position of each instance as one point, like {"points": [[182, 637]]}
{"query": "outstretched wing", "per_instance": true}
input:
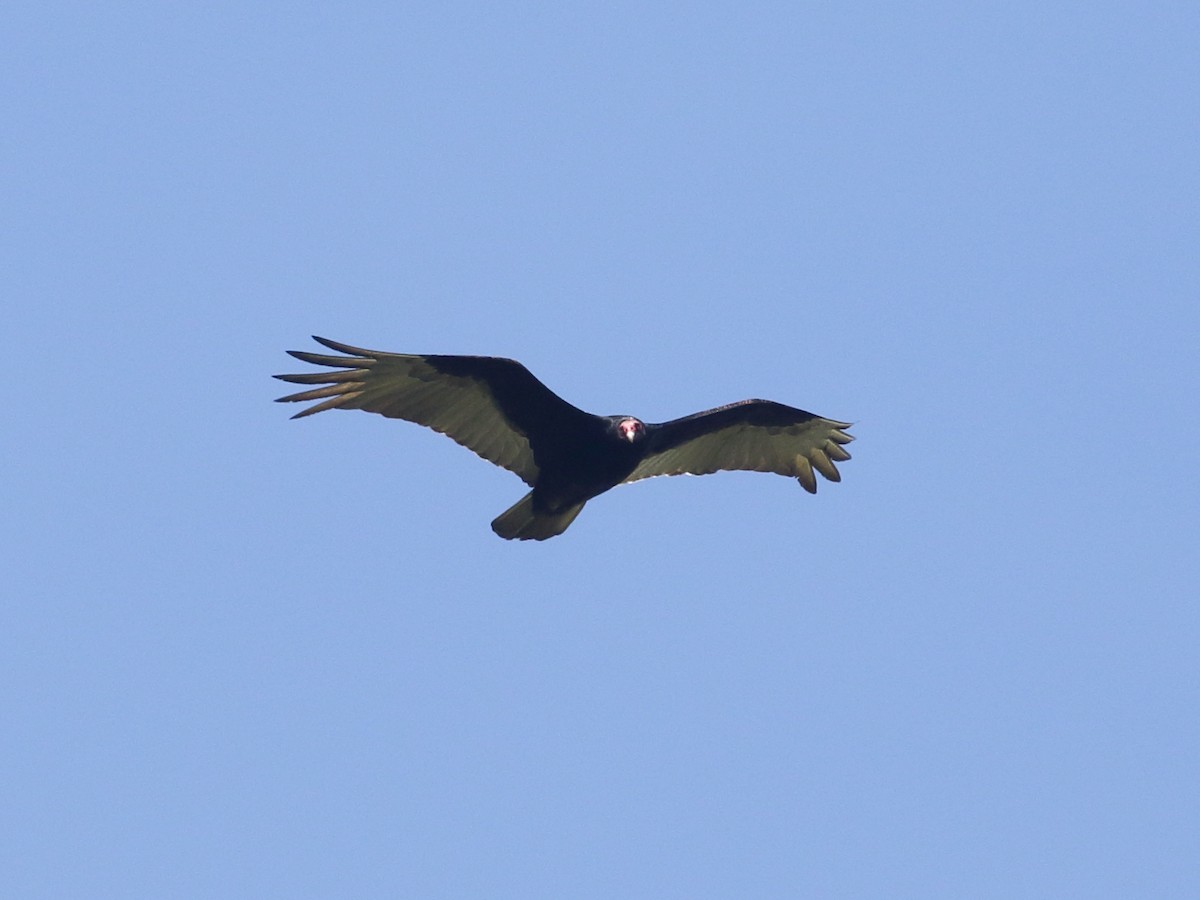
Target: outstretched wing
{"points": [[494, 407], [756, 435]]}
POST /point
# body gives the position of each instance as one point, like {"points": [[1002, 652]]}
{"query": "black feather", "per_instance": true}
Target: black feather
{"points": [[498, 409]]}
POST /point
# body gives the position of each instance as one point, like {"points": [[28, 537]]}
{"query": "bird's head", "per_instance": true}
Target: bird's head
{"points": [[631, 429]]}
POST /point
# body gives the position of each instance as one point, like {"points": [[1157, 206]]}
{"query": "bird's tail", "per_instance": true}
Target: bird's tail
{"points": [[522, 522]]}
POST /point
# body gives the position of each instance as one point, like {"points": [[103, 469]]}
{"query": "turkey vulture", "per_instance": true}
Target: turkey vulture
{"points": [[498, 409]]}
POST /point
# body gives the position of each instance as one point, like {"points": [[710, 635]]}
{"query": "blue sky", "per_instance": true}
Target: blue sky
{"points": [[244, 656]]}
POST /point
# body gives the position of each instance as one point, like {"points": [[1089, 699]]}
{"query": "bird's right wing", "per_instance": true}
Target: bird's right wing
{"points": [[494, 407], [754, 435]]}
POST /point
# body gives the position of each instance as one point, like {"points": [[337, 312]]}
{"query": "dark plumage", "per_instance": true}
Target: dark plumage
{"points": [[497, 408]]}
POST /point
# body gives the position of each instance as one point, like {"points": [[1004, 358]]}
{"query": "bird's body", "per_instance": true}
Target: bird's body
{"points": [[499, 410]]}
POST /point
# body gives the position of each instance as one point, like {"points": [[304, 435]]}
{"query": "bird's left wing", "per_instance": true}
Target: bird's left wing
{"points": [[494, 407], [755, 435]]}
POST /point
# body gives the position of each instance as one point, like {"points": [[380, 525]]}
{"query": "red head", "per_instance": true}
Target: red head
{"points": [[631, 429]]}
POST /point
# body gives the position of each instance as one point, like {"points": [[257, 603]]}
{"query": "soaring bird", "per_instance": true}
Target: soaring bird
{"points": [[498, 409]]}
